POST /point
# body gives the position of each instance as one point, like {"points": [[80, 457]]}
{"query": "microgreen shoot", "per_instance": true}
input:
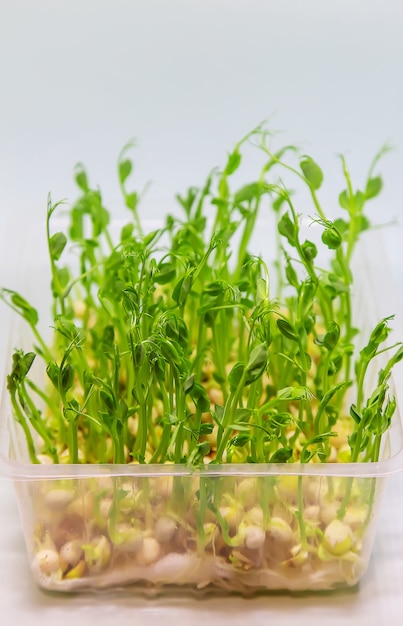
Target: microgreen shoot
{"points": [[174, 346]]}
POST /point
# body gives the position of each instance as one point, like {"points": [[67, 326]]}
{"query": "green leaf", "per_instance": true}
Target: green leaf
{"points": [[63, 276], [335, 365], [294, 393], [344, 200], [359, 201], [196, 457], [170, 351], [187, 202], [306, 455], [81, 178], [139, 355], [395, 358], [234, 161], [332, 336], [76, 230], [248, 193], [241, 427], [216, 288], [256, 364], [373, 188], [218, 414], [287, 330], [311, 171], [108, 335], [13, 299], [235, 375], [278, 203], [125, 169], [240, 440], [332, 238], [52, 371], [241, 414], [21, 365], [68, 329], [166, 273], [279, 420], [341, 225], [130, 300], [306, 362], [108, 401], [332, 392], [182, 288], [291, 275], [363, 223], [127, 232], [309, 324], [306, 295], [57, 243], [149, 238], [282, 455], [286, 228], [321, 438], [189, 383], [261, 290], [67, 378], [71, 411], [378, 336], [131, 200], [309, 250], [206, 428]]}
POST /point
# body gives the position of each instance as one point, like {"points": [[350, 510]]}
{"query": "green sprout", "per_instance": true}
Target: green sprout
{"points": [[172, 346]]}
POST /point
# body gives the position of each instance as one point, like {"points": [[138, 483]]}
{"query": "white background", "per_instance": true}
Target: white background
{"points": [[188, 78]]}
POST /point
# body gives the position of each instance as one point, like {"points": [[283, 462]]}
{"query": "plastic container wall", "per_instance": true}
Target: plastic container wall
{"points": [[236, 533]]}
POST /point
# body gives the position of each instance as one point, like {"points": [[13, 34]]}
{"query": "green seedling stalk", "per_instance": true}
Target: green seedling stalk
{"points": [[230, 405], [35, 418], [20, 417], [300, 513]]}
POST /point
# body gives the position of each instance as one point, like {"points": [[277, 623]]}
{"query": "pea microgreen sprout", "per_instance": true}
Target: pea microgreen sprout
{"points": [[183, 346]]}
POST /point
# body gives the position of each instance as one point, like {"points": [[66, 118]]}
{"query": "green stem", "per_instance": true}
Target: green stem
{"points": [[23, 423], [300, 513]]}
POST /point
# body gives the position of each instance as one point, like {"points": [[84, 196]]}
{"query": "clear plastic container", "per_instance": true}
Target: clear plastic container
{"points": [[233, 528]]}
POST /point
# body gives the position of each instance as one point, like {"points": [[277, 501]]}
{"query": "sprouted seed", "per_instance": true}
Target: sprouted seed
{"points": [[181, 346]]}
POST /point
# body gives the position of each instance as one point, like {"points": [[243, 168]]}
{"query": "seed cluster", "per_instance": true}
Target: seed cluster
{"points": [[232, 533]]}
